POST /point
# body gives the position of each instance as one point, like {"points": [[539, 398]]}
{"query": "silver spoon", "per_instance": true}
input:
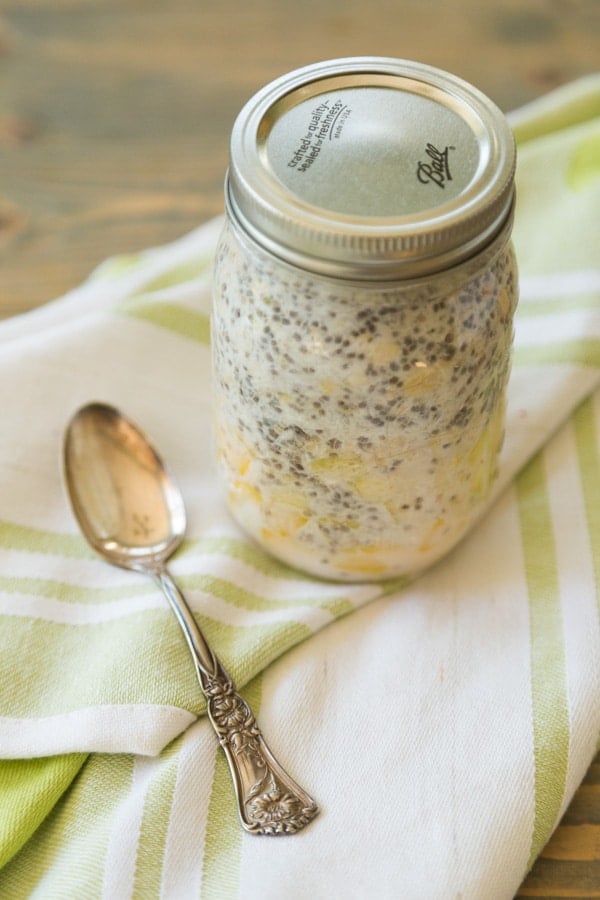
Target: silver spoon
{"points": [[131, 513]]}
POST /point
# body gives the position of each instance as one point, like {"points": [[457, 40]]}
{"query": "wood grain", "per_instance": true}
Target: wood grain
{"points": [[115, 114], [114, 125]]}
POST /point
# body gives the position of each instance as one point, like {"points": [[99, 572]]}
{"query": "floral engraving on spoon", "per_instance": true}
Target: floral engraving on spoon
{"points": [[270, 808]]}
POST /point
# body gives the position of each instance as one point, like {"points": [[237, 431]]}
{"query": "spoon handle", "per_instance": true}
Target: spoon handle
{"points": [[269, 800], [204, 657]]}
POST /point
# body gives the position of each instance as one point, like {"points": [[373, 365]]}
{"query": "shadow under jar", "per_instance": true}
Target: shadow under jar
{"points": [[364, 293]]}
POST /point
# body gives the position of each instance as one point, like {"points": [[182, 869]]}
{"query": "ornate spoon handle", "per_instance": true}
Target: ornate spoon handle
{"points": [[269, 801]]}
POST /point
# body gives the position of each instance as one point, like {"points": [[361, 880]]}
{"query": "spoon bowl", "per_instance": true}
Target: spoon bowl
{"points": [[132, 514], [127, 504]]}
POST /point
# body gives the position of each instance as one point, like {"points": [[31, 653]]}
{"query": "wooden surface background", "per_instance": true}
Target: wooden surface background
{"points": [[114, 125]]}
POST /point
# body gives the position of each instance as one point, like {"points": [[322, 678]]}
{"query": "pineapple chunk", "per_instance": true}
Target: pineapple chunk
{"points": [[284, 524], [371, 560], [233, 450], [423, 379], [504, 302], [243, 491], [337, 468], [430, 539], [482, 457], [374, 487], [385, 352]]}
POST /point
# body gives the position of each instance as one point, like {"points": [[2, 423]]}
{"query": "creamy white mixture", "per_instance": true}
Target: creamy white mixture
{"points": [[358, 426]]}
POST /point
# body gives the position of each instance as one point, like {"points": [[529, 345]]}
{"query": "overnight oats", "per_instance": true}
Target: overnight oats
{"points": [[364, 294]]}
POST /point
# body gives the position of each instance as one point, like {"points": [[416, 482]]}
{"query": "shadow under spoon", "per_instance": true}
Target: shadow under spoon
{"points": [[131, 513]]}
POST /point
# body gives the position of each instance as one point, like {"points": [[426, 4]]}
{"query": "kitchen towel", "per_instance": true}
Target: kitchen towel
{"points": [[442, 725]]}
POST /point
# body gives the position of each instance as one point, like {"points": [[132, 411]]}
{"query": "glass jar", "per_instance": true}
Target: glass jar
{"points": [[364, 293]]}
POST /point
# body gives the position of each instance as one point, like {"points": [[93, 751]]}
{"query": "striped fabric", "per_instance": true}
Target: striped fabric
{"points": [[442, 727]]}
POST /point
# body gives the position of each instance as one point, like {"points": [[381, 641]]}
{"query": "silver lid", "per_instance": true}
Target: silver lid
{"points": [[372, 168]]}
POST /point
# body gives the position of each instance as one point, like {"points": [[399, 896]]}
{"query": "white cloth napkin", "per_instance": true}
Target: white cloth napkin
{"points": [[442, 726]]}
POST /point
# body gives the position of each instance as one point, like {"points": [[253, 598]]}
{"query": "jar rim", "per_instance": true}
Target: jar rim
{"points": [[455, 274], [361, 204]]}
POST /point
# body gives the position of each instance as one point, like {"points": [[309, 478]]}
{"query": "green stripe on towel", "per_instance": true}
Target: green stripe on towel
{"points": [[155, 823], [36, 540], [548, 673], [171, 316], [588, 453], [30, 788], [585, 352]]}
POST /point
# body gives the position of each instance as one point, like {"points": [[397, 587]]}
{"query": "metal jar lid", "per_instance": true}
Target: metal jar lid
{"points": [[371, 168]]}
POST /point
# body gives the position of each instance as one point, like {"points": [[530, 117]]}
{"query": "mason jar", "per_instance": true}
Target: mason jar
{"points": [[364, 292]]}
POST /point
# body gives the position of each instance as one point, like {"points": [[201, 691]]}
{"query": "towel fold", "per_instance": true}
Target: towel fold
{"points": [[442, 725]]}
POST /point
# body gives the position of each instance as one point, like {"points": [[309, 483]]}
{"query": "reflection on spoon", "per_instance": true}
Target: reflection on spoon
{"points": [[131, 513]]}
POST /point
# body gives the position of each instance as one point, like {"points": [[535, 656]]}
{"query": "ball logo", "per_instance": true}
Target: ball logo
{"points": [[437, 170]]}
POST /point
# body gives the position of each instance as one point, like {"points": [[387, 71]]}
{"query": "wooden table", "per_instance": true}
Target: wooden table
{"points": [[114, 125]]}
